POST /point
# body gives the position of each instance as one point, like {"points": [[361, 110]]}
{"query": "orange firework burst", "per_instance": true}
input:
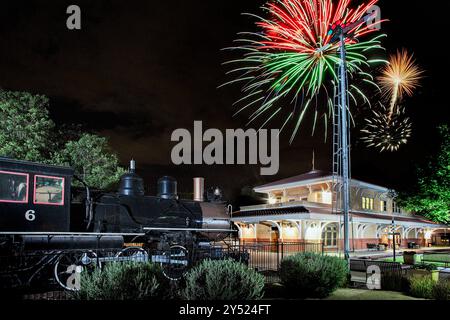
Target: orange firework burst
{"points": [[401, 76]]}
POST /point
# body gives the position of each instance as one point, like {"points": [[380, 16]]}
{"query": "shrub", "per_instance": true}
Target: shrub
{"points": [[124, 281], [310, 275], [441, 290], [222, 280], [421, 287]]}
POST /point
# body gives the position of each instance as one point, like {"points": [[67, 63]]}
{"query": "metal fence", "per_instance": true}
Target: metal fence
{"points": [[266, 257]]}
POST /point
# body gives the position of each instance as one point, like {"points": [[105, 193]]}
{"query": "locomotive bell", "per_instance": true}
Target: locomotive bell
{"points": [[167, 188], [131, 184]]}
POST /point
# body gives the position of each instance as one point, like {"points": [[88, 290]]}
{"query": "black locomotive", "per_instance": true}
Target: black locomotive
{"points": [[45, 223]]}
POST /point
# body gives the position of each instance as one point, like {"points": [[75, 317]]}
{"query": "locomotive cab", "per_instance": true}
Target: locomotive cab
{"points": [[34, 197]]}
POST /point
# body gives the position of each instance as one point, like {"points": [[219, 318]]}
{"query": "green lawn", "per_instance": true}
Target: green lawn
{"points": [[275, 291], [400, 259], [361, 294]]}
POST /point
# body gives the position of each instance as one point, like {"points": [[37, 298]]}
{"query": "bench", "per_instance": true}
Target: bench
{"points": [[376, 246], [358, 265], [358, 268], [413, 245]]}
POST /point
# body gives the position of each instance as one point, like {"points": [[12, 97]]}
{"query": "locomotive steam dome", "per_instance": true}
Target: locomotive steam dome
{"points": [[131, 184], [167, 188]]}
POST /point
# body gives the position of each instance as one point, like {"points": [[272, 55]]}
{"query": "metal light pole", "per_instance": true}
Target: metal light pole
{"points": [[339, 34], [344, 141]]}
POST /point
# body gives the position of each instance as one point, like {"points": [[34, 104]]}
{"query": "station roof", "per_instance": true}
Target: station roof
{"points": [[280, 211], [311, 177]]}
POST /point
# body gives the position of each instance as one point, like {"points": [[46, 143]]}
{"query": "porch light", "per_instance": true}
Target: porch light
{"points": [[272, 200]]}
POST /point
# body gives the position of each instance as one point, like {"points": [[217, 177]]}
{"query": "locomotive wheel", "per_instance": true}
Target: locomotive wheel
{"points": [[68, 268], [133, 254], [177, 262]]}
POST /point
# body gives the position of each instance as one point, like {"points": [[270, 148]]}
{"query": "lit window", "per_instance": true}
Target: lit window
{"points": [[329, 235], [49, 190], [383, 206], [13, 187], [367, 203], [327, 197]]}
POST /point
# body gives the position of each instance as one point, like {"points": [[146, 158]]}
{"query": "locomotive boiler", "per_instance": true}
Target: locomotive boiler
{"points": [[41, 214]]}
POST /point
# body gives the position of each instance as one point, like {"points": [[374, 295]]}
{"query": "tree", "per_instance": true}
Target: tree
{"points": [[431, 197], [25, 126], [28, 133], [92, 159]]}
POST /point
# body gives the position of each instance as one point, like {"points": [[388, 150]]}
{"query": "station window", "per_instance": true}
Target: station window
{"points": [[49, 190], [383, 206], [367, 203], [396, 208], [13, 187], [330, 235]]}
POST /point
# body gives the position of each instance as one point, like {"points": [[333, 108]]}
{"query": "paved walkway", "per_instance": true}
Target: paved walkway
{"points": [[363, 294]]}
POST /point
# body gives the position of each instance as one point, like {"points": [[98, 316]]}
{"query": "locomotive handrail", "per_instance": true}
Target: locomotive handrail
{"points": [[89, 213], [114, 234]]}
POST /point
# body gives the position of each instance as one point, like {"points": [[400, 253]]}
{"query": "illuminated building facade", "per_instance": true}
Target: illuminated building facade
{"points": [[300, 209]]}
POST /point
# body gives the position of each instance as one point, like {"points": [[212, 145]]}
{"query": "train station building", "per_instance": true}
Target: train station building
{"points": [[300, 209]]}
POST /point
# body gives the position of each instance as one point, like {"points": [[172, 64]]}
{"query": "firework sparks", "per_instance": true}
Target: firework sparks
{"points": [[291, 61], [400, 77], [385, 131]]}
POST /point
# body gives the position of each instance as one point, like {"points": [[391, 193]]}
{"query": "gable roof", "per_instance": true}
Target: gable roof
{"points": [[310, 177]]}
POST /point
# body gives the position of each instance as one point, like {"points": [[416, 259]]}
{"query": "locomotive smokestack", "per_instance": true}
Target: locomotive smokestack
{"points": [[130, 183], [199, 189], [132, 166]]}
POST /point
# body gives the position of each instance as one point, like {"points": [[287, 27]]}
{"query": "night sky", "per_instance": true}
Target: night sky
{"points": [[140, 69]]}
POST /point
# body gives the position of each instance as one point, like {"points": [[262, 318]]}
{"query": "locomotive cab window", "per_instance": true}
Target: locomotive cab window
{"points": [[13, 187], [48, 190]]}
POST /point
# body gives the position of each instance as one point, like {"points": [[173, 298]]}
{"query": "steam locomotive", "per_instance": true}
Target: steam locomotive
{"points": [[44, 223]]}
